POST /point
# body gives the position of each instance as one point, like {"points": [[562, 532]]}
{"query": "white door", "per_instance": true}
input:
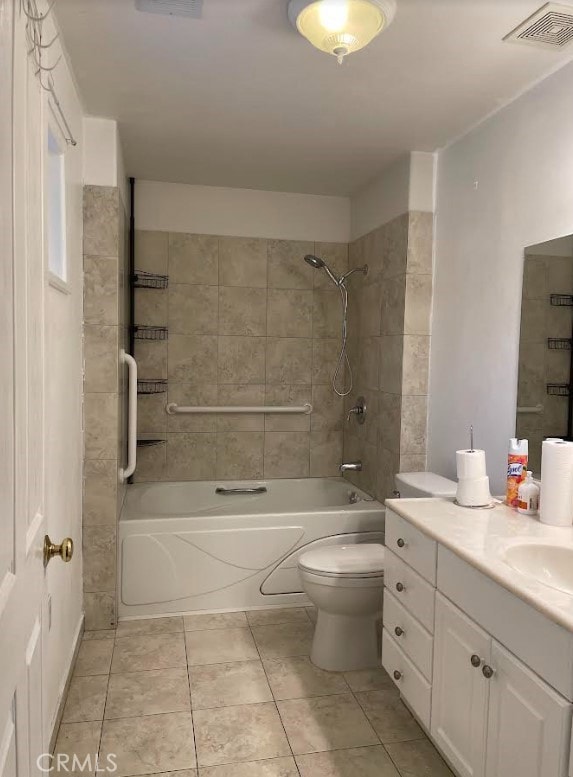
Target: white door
{"points": [[22, 498], [460, 691], [529, 723]]}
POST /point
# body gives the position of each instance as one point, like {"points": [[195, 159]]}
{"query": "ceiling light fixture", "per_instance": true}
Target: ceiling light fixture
{"points": [[340, 27]]}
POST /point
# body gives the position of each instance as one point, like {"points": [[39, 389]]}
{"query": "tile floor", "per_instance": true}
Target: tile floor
{"points": [[235, 695]]}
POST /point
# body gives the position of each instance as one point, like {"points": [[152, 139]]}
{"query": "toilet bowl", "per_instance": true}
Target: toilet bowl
{"points": [[345, 583]]}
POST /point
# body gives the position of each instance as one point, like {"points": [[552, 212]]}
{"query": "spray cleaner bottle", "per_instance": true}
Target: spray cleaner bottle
{"points": [[517, 456]]}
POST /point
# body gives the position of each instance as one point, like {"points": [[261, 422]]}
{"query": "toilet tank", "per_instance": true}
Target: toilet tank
{"points": [[411, 485]]}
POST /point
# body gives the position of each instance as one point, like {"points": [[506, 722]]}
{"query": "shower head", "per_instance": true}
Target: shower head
{"points": [[314, 261]]}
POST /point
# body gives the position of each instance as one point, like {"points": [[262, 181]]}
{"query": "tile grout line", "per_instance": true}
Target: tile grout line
{"points": [[191, 703]]}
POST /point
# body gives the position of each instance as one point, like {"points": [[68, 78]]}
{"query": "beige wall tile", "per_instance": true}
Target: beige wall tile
{"points": [[325, 352], [289, 313], [151, 251], [325, 453], [396, 237], [101, 358], [241, 394], [101, 426], [411, 462], [416, 362], [420, 242], [192, 394], [336, 256], [240, 455], [100, 492], [151, 464], [101, 212], [393, 301], [193, 259], [191, 456], [286, 266], [193, 309], [388, 466], [242, 311], [418, 304], [328, 408], [100, 290], [99, 558], [326, 313], [151, 414], [243, 262], [287, 454], [391, 362], [287, 396], [370, 314], [241, 360], [390, 416], [289, 360], [192, 358], [100, 610], [414, 422], [151, 307], [151, 357], [368, 372]]}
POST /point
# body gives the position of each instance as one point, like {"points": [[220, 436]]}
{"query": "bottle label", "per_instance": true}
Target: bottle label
{"points": [[515, 469]]}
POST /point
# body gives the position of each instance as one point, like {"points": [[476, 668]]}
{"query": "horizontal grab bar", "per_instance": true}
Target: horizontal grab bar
{"points": [[530, 410], [229, 491], [173, 409]]}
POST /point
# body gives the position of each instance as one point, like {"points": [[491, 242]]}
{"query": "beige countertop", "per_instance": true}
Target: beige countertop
{"points": [[481, 537]]}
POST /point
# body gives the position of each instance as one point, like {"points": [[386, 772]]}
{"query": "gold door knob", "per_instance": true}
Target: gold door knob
{"points": [[65, 551]]}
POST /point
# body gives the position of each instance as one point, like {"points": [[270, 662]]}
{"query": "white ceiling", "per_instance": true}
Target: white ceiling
{"points": [[239, 99]]}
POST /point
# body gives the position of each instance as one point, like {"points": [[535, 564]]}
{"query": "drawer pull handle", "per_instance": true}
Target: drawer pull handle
{"points": [[475, 661], [398, 631], [400, 542], [400, 587], [397, 675], [487, 672]]}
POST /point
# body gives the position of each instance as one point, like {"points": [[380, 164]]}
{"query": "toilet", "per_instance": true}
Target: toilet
{"points": [[346, 583]]}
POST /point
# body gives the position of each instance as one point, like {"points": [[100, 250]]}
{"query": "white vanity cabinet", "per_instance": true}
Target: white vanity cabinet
{"points": [[488, 675]]}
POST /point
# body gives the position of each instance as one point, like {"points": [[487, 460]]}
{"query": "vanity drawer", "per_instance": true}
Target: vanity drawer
{"points": [[415, 641], [411, 590], [407, 542], [414, 688]]}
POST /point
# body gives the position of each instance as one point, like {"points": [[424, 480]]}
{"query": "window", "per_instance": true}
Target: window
{"points": [[56, 207]]}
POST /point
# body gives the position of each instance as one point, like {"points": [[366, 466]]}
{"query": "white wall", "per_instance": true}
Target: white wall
{"points": [[103, 155], [216, 210], [506, 185], [407, 184]]}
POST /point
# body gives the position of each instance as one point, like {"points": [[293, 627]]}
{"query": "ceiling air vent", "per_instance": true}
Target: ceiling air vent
{"points": [[551, 27], [191, 8]]}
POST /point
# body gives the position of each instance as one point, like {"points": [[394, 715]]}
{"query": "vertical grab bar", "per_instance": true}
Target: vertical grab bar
{"points": [[126, 358]]}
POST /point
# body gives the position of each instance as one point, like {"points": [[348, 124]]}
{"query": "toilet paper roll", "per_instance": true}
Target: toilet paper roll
{"points": [[556, 503], [473, 492], [470, 464]]}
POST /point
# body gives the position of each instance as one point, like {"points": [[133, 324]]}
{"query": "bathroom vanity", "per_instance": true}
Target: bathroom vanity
{"points": [[478, 634]]}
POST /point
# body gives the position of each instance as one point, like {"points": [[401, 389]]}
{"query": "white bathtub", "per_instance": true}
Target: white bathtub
{"points": [[183, 547]]}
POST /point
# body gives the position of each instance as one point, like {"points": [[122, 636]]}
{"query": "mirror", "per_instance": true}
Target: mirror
{"points": [[544, 404]]}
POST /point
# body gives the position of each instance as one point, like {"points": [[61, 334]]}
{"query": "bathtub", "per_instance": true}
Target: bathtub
{"points": [[184, 547]]}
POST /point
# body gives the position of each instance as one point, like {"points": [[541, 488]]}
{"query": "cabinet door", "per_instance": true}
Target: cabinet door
{"points": [[529, 723], [460, 691]]}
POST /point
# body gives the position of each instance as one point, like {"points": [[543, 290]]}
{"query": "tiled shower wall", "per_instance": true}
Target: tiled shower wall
{"points": [[249, 323], [105, 258], [389, 345]]}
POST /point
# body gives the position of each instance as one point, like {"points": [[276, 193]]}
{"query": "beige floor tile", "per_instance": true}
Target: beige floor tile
{"points": [[249, 732], [180, 773], [156, 743], [369, 680], [86, 698], [277, 615], [325, 723], [312, 613], [80, 740], [357, 762], [274, 767], [391, 719], [287, 639], [222, 685], [418, 759], [220, 646], [99, 634], [154, 651], [94, 657], [218, 620], [298, 678], [150, 626], [147, 693]]}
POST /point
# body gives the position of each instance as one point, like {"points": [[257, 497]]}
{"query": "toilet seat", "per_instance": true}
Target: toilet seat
{"points": [[364, 560]]}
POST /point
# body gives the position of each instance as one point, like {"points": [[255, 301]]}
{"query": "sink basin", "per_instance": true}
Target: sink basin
{"points": [[551, 565]]}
